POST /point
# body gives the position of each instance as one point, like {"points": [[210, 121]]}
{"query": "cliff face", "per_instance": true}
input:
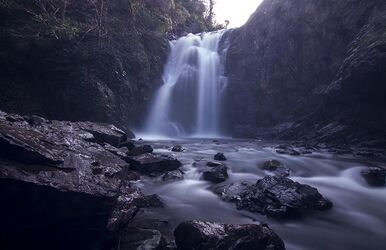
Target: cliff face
{"points": [[302, 69], [91, 60]]}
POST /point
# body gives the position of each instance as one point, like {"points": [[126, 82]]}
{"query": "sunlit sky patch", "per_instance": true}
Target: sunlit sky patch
{"points": [[236, 11]]}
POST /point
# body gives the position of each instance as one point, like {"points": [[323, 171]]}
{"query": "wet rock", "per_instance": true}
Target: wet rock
{"points": [[275, 196], [127, 144], [177, 148], [276, 167], [220, 157], [375, 176], [74, 189], [175, 175], [209, 235], [152, 164], [215, 172], [287, 150], [151, 201], [141, 150], [140, 238], [104, 133]]}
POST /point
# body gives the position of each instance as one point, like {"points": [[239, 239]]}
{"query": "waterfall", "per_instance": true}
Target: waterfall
{"points": [[189, 101]]}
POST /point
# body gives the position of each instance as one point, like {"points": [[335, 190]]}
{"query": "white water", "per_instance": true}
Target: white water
{"points": [[189, 101]]}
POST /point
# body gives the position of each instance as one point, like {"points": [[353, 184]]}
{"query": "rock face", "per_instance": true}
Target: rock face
{"points": [[152, 164], [58, 173], [275, 196], [375, 176], [209, 235], [174, 175], [88, 60], [309, 70]]}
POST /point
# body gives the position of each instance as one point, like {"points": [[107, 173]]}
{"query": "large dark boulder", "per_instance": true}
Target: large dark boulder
{"points": [[153, 164], [139, 150], [209, 235], [56, 183], [219, 157], [275, 196]]}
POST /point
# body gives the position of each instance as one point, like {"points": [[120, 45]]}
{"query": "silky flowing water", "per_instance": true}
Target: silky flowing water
{"points": [[356, 222]]}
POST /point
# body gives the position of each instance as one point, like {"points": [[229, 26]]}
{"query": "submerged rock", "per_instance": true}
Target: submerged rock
{"points": [[177, 148], [287, 150], [58, 183], [276, 167], [220, 157], [375, 176], [275, 196], [215, 172], [152, 164], [175, 175], [209, 235]]}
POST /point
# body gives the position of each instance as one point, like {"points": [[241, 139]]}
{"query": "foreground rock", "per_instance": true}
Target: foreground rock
{"points": [[175, 175], [139, 150], [375, 176], [209, 235], [58, 182], [152, 164], [276, 167], [215, 172], [275, 196]]}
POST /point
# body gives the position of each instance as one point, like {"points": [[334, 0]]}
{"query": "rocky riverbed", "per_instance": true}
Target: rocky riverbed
{"points": [[89, 184]]}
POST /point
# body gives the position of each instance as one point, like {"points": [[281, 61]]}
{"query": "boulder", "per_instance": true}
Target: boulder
{"points": [[56, 183], [209, 235], [175, 175], [275, 196], [140, 150], [177, 148], [375, 176], [152, 164], [104, 133], [215, 172], [276, 167], [220, 157]]}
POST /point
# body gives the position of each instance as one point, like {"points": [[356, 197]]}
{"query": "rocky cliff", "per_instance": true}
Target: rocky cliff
{"points": [[309, 69], [93, 60]]}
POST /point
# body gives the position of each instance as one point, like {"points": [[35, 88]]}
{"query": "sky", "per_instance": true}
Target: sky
{"points": [[236, 11]]}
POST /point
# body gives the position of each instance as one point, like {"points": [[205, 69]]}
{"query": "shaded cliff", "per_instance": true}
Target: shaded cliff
{"points": [[91, 60], [309, 69]]}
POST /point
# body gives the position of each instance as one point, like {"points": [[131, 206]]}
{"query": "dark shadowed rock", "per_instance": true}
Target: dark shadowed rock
{"points": [[287, 150], [177, 148], [65, 180], [375, 176], [220, 157], [151, 201], [152, 164], [140, 150], [276, 167], [127, 144], [209, 235], [175, 175], [275, 196], [215, 172], [104, 133], [140, 238]]}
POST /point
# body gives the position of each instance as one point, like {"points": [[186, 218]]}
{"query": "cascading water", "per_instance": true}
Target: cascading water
{"points": [[189, 101]]}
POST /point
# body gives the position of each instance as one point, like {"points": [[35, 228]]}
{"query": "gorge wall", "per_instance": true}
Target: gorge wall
{"points": [[93, 60], [309, 69]]}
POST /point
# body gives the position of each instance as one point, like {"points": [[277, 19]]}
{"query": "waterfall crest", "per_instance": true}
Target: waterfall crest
{"points": [[189, 101]]}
